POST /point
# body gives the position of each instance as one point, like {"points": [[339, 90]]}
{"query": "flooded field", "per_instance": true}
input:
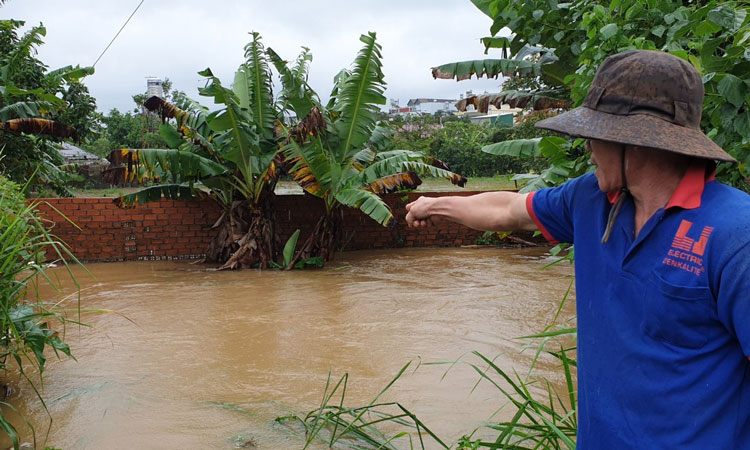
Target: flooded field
{"points": [[195, 359]]}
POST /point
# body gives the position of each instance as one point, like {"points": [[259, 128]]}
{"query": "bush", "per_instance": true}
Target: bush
{"points": [[459, 144], [25, 318]]}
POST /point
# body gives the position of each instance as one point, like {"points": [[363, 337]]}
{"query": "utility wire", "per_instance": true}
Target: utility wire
{"points": [[118, 33]]}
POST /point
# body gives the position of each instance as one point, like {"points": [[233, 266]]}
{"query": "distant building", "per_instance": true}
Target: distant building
{"points": [[503, 116], [432, 105], [154, 87], [75, 155]]}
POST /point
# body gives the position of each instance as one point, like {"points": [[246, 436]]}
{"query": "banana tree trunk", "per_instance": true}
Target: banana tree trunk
{"points": [[325, 238], [245, 236]]}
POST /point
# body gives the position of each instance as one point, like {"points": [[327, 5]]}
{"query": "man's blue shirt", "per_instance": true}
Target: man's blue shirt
{"points": [[663, 319]]}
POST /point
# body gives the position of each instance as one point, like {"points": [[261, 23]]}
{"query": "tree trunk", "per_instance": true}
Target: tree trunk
{"points": [[324, 240], [245, 236]]}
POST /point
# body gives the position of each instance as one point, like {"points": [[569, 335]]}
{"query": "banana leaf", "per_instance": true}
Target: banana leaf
{"points": [[393, 183], [38, 127], [252, 85], [519, 148], [296, 92], [155, 193], [311, 169], [21, 110], [179, 166], [358, 97], [367, 202], [491, 68]]}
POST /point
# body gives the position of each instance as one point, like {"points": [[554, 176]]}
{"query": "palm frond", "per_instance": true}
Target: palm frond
{"points": [[363, 158], [179, 166], [367, 202], [295, 92], [392, 183], [398, 161], [358, 98], [21, 49], [519, 148], [540, 100], [233, 128], [166, 110], [68, 74], [338, 81], [309, 166], [253, 87], [308, 127], [491, 68], [381, 137], [21, 110], [156, 193], [38, 127]]}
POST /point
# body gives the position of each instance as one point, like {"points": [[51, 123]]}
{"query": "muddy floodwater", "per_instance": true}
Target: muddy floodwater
{"points": [[194, 359]]}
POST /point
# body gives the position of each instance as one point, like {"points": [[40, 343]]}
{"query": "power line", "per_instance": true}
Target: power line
{"points": [[118, 33]]}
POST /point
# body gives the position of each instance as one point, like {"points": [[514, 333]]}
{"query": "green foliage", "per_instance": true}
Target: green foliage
{"points": [[29, 90], [575, 37], [546, 421], [336, 157], [236, 143], [333, 422], [26, 320], [459, 145]]}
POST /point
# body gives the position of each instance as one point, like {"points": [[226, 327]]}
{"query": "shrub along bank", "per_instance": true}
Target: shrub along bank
{"points": [[459, 144]]}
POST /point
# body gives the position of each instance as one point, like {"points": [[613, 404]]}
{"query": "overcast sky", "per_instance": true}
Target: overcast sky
{"points": [[176, 39]]}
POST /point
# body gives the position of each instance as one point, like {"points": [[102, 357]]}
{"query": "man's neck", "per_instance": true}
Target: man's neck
{"points": [[652, 183]]}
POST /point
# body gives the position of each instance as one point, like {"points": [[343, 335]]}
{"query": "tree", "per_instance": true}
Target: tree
{"points": [[573, 38], [335, 151], [29, 91], [231, 152]]}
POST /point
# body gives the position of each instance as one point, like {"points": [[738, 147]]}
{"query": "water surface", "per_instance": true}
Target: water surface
{"points": [[196, 359]]}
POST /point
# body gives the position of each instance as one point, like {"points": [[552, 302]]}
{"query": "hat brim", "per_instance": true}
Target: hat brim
{"points": [[635, 129]]}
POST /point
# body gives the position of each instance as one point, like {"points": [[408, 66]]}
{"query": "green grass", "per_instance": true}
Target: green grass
{"points": [[105, 192], [498, 182], [26, 320], [544, 416], [355, 427], [285, 187]]}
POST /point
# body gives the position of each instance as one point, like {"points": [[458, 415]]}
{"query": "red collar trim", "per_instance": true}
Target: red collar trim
{"points": [[689, 191], [612, 196]]}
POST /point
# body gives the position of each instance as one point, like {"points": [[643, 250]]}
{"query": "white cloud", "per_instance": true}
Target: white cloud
{"points": [[178, 39]]}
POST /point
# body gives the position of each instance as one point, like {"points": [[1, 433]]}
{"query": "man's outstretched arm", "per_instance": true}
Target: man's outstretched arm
{"points": [[488, 211]]}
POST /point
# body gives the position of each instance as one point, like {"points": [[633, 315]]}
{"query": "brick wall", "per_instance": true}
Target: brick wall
{"points": [[182, 229]]}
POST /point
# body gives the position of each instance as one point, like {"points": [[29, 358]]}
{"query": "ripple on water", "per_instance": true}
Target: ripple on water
{"points": [[194, 340]]}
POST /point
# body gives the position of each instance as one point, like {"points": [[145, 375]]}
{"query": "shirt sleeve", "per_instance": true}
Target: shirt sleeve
{"points": [[552, 210], [733, 296]]}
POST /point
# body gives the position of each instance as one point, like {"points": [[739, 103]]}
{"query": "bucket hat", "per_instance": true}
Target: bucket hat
{"points": [[645, 98]]}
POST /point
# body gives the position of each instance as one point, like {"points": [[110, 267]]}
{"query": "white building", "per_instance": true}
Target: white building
{"points": [[432, 105], [154, 87]]}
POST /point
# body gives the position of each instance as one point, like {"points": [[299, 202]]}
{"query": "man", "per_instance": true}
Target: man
{"points": [[662, 261]]}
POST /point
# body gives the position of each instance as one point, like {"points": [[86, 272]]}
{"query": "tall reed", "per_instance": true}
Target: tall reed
{"points": [[26, 319], [539, 421]]}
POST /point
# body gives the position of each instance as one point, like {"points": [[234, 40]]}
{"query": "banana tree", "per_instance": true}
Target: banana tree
{"points": [[575, 37], [333, 150], [28, 91], [540, 68], [230, 154]]}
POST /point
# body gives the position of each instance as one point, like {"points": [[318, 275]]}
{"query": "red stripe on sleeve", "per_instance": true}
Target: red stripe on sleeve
{"points": [[530, 210]]}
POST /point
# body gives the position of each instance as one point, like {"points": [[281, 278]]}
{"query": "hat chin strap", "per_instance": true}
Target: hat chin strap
{"points": [[615, 210]]}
